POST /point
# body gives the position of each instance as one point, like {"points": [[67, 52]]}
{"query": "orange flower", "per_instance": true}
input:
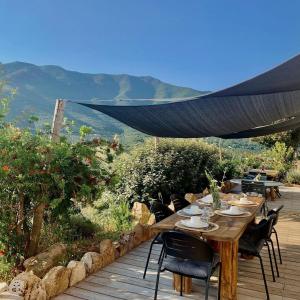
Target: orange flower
{"points": [[5, 168]]}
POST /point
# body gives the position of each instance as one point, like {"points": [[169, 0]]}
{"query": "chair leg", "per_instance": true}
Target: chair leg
{"points": [[271, 263], [274, 257], [181, 285], [264, 276], [220, 279], [207, 288], [161, 254], [148, 258], [278, 247], [157, 279]]}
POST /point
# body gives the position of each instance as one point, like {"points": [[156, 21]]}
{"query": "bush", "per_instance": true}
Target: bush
{"points": [[111, 212], [293, 176], [280, 158], [176, 166], [81, 227]]}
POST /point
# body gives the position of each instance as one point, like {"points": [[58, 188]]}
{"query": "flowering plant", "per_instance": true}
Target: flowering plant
{"points": [[214, 190]]}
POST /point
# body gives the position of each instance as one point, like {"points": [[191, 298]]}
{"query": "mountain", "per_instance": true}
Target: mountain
{"points": [[39, 86]]}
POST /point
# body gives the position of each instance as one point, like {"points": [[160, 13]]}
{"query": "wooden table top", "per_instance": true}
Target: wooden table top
{"points": [[230, 228]]}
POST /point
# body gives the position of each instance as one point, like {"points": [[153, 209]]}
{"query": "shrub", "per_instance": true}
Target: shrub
{"points": [[175, 166], [42, 180], [280, 158], [111, 212], [81, 227], [293, 176]]}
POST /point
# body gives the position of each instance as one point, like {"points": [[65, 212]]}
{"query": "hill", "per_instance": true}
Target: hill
{"points": [[39, 86]]}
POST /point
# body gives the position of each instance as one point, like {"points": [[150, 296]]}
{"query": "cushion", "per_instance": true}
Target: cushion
{"points": [[192, 268]]}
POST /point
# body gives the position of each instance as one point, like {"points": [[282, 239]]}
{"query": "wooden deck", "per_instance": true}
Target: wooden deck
{"points": [[123, 278]]}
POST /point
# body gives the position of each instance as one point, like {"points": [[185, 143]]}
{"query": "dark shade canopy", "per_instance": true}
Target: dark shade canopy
{"points": [[265, 104]]}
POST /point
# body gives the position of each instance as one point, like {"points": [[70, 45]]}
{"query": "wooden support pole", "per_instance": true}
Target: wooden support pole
{"points": [[58, 118], [156, 141]]}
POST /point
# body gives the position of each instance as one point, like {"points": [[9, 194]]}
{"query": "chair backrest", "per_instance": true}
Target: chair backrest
{"points": [[275, 211], [263, 230], [181, 245], [160, 211], [249, 186], [179, 202]]}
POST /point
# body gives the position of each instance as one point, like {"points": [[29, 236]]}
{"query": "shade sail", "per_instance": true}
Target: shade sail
{"points": [[251, 108]]}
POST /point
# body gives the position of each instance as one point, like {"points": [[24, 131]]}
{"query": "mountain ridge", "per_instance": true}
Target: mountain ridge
{"points": [[39, 86]]}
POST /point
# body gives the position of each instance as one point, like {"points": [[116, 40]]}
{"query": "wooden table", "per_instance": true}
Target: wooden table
{"points": [[227, 236]]}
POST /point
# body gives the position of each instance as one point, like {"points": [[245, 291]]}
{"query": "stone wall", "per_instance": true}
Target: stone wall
{"points": [[42, 280]]}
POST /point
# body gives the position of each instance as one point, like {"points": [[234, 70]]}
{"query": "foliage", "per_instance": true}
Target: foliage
{"points": [[111, 212], [280, 158], [39, 179], [214, 190], [290, 138], [293, 176], [81, 227], [6, 269], [176, 166]]}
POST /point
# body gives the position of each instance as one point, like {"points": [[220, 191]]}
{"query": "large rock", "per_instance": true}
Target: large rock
{"points": [[56, 281], [38, 292], [141, 213], [3, 287], [10, 296], [24, 283], [107, 250], [93, 261], [78, 271], [43, 262], [138, 234], [87, 261]]}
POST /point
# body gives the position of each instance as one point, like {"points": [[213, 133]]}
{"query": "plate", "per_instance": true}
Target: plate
{"points": [[211, 227], [190, 212], [189, 224], [207, 199], [238, 203], [228, 214]]}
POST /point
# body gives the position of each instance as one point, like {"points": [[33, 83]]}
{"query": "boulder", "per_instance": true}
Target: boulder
{"points": [[56, 281], [10, 296], [38, 292], [151, 220], [107, 250], [44, 261], [97, 261], [147, 233], [24, 283], [78, 271], [141, 213], [138, 234], [3, 287], [87, 261]]}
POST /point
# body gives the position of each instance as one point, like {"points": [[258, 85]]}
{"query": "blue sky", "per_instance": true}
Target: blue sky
{"points": [[206, 45]]}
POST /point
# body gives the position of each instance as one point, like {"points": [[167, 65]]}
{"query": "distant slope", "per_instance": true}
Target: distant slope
{"points": [[39, 86]]}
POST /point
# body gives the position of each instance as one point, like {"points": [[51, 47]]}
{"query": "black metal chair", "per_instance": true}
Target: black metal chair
{"points": [[254, 239], [160, 212], [179, 202], [276, 211], [188, 256], [251, 186]]}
